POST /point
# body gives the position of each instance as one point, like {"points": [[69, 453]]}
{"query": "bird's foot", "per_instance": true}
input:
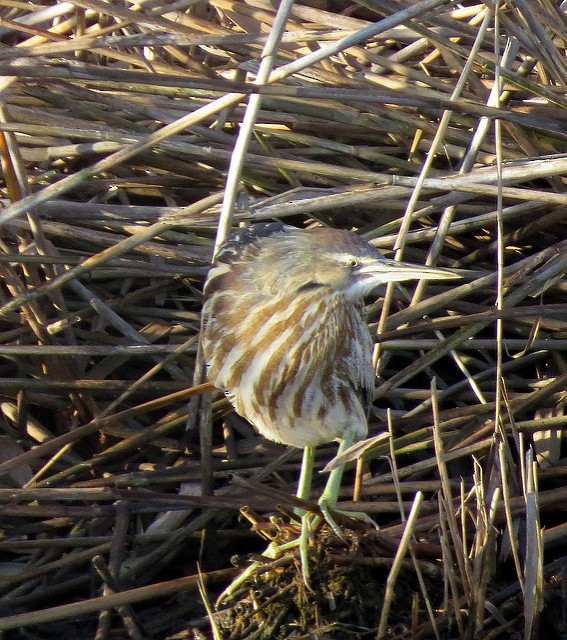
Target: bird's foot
{"points": [[305, 538], [358, 516], [310, 522], [272, 552]]}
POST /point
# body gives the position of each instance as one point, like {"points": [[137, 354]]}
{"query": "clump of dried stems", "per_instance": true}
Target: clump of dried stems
{"points": [[133, 135]]}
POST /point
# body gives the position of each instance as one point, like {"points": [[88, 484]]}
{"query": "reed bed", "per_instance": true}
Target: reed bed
{"points": [[136, 134]]}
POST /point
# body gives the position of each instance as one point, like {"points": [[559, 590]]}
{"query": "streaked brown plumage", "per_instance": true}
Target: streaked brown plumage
{"points": [[285, 331]]}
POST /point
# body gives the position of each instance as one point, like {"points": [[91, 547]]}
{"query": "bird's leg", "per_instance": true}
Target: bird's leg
{"points": [[306, 474], [329, 498], [304, 493], [330, 495]]}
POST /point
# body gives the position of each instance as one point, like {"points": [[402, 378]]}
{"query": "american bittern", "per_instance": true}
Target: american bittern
{"points": [[285, 334]]}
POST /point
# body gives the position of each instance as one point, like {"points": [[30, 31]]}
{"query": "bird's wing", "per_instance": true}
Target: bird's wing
{"points": [[242, 247], [363, 385], [363, 375], [244, 237], [366, 392]]}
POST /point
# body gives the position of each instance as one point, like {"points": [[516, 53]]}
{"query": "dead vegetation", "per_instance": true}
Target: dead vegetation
{"points": [[436, 129]]}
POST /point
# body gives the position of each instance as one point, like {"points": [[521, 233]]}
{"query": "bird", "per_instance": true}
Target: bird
{"points": [[285, 334]]}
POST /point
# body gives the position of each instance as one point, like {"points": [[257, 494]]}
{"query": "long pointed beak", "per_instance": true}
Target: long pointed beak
{"points": [[386, 270]]}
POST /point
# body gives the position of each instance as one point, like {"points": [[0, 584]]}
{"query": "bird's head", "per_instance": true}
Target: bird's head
{"points": [[352, 265], [283, 260]]}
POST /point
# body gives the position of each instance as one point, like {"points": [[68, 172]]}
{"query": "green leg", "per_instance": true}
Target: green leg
{"points": [[304, 538], [328, 499], [331, 493], [304, 493], [306, 474], [333, 486]]}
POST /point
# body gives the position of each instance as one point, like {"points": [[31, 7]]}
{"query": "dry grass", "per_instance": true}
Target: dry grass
{"points": [[437, 130]]}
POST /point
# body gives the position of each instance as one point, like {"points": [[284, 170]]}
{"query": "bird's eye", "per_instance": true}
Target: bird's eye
{"points": [[353, 264]]}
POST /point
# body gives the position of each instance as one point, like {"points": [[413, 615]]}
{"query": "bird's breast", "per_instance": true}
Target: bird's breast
{"points": [[296, 368]]}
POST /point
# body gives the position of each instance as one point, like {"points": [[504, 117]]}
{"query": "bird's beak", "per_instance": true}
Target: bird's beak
{"points": [[386, 270]]}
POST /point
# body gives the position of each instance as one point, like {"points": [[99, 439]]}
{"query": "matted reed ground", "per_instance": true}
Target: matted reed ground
{"points": [[437, 130]]}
